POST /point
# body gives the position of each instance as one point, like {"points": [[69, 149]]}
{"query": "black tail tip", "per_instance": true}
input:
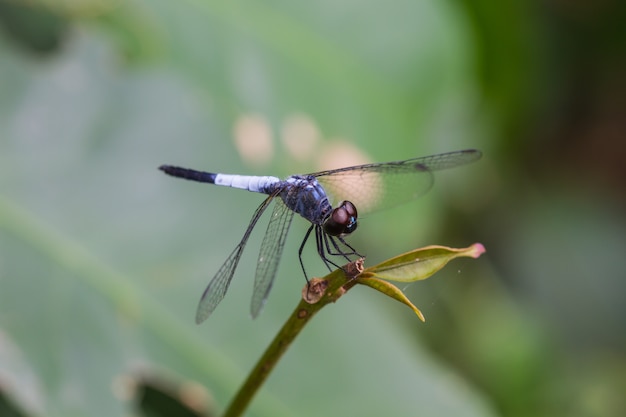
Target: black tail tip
{"points": [[169, 169]]}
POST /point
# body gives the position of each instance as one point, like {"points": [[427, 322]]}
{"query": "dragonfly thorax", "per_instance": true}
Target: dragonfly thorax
{"points": [[307, 197]]}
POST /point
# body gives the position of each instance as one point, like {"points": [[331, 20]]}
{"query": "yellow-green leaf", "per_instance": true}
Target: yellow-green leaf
{"points": [[392, 291], [421, 263]]}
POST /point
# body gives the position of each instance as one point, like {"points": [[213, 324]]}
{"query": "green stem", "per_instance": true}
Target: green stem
{"points": [[314, 296]]}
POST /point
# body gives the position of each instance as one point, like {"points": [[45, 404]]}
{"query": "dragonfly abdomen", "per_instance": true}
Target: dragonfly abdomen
{"points": [[257, 184], [189, 174]]}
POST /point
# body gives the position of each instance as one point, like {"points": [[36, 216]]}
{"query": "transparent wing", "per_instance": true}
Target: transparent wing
{"points": [[374, 187], [219, 284], [269, 256]]}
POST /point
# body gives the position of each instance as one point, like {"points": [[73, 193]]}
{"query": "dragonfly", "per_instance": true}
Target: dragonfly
{"points": [[366, 188]]}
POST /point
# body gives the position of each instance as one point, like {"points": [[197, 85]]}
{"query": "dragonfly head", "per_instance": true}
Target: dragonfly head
{"points": [[342, 220]]}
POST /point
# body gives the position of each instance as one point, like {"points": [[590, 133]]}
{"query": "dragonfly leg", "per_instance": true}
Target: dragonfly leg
{"points": [[338, 252], [306, 237], [320, 238], [354, 252]]}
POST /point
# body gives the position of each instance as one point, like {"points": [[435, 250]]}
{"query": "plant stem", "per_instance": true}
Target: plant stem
{"points": [[320, 292]]}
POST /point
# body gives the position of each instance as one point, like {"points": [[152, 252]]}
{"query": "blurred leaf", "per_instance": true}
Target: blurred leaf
{"points": [[509, 57], [156, 399], [7, 409], [102, 259], [31, 26]]}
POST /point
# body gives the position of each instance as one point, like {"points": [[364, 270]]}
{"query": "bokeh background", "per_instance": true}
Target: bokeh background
{"points": [[103, 258]]}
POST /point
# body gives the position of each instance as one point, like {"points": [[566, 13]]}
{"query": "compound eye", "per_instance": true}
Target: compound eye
{"points": [[342, 220]]}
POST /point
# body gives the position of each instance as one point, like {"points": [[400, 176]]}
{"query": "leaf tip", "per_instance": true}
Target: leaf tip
{"points": [[476, 250], [420, 315]]}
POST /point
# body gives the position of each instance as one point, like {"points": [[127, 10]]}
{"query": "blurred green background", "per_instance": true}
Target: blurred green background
{"points": [[103, 258]]}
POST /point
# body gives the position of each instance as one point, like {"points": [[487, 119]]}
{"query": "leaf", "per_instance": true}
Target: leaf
{"points": [[391, 291], [421, 263]]}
